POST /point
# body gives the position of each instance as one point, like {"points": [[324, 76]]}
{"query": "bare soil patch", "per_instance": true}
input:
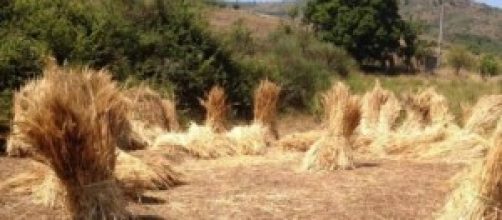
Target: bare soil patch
{"points": [[272, 187]]}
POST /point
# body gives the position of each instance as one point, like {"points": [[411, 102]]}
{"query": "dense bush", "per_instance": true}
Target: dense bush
{"points": [[459, 58], [20, 58], [304, 65], [489, 66], [370, 30], [163, 41]]}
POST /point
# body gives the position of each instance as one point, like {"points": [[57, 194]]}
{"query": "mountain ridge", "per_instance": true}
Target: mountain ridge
{"points": [[475, 25]]}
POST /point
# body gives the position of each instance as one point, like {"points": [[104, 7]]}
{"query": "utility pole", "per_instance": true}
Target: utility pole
{"points": [[440, 37]]}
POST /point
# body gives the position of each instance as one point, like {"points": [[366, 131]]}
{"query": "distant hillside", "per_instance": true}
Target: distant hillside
{"points": [[475, 25], [466, 22]]}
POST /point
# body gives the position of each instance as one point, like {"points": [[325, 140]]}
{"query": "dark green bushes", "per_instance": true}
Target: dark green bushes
{"points": [[162, 41], [489, 66], [294, 58]]}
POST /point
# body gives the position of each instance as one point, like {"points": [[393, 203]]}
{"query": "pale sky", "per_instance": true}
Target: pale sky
{"points": [[497, 3]]}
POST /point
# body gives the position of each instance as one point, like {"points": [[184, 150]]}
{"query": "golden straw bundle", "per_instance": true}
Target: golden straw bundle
{"points": [[203, 142], [266, 97], [379, 110], [426, 108], [248, 140], [479, 192], [150, 114], [147, 106], [198, 141], [72, 125], [216, 109], [135, 176], [16, 146], [300, 141], [334, 151], [485, 114]]}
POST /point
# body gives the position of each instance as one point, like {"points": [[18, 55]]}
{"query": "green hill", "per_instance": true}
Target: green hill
{"points": [[473, 24]]}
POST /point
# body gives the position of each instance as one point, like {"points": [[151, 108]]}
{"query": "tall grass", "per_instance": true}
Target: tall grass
{"points": [[458, 91]]}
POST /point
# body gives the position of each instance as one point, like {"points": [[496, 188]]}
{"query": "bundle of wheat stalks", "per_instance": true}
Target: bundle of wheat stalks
{"points": [[16, 147], [428, 123], [479, 191], [300, 141], [334, 151], [266, 97], [133, 176], [199, 141], [484, 115], [216, 109], [73, 120], [72, 124], [380, 110], [150, 115], [209, 142], [425, 109]]}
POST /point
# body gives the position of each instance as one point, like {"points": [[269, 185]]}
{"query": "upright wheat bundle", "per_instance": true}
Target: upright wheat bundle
{"points": [[266, 97], [216, 109], [150, 114], [485, 114], [334, 151], [72, 124]]}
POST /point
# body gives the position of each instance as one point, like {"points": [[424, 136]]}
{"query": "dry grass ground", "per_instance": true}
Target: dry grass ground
{"points": [[272, 187], [260, 25]]}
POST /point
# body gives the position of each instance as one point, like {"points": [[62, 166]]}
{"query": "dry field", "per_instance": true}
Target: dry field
{"points": [[272, 187], [106, 152], [259, 24]]}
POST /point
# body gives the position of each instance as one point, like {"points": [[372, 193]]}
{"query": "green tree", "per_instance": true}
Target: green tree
{"points": [[412, 47], [489, 66], [459, 58], [163, 41], [368, 29]]}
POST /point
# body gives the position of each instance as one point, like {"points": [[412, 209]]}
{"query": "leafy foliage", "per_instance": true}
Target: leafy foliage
{"points": [[459, 58], [368, 29], [489, 66], [165, 42], [291, 56]]}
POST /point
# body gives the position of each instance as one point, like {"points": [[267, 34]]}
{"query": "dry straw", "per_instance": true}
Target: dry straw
{"points": [[334, 151], [426, 108], [479, 193], [150, 114], [380, 110], [485, 114], [428, 123], [198, 141], [203, 142], [72, 125], [135, 175], [266, 97], [16, 147], [16, 144], [300, 141], [249, 140], [209, 141], [216, 109]]}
